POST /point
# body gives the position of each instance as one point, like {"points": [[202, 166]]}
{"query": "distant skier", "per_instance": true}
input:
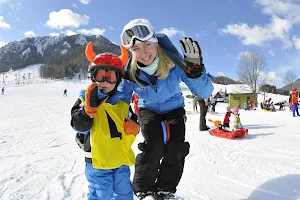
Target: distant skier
{"points": [[203, 106], [295, 102], [2, 91], [195, 101], [213, 104], [65, 93]]}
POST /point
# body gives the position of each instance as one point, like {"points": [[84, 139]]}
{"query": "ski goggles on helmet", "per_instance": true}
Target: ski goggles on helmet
{"points": [[105, 75], [137, 32]]}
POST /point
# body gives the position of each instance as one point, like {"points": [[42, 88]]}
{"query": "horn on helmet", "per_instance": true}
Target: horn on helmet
{"points": [[89, 52], [124, 56]]}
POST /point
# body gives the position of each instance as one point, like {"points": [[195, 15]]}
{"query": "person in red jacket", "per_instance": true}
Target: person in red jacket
{"points": [[135, 100], [295, 102], [227, 117], [251, 104]]}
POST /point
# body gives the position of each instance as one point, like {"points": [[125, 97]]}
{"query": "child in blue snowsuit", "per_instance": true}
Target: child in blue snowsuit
{"points": [[106, 129]]}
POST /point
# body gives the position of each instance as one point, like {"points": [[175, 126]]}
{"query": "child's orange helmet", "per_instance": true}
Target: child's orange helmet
{"points": [[106, 60]]}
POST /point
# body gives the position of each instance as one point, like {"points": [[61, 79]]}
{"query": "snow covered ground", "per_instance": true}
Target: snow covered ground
{"points": [[40, 159]]}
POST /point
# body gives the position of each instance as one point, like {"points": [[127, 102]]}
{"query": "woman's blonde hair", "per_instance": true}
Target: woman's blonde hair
{"points": [[164, 66]]}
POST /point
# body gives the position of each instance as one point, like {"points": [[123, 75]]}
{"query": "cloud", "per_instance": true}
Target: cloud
{"points": [[202, 33], [284, 14], [2, 44], [271, 52], [74, 5], [66, 18], [172, 32], [3, 24], [287, 9], [3, 1], [296, 42], [85, 1], [257, 35], [273, 78], [30, 34], [94, 31], [16, 6], [205, 33], [111, 28], [220, 74], [69, 32], [54, 34]]}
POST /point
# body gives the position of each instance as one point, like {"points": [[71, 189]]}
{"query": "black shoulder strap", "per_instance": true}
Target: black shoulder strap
{"points": [[167, 46]]}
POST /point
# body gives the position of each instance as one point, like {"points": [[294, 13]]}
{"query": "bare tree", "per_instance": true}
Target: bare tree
{"points": [[289, 79], [253, 71]]}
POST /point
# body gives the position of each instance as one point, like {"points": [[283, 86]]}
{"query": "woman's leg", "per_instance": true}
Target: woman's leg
{"points": [[171, 168], [100, 183], [148, 162]]}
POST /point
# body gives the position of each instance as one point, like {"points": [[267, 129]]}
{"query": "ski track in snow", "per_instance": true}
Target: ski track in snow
{"points": [[41, 160]]}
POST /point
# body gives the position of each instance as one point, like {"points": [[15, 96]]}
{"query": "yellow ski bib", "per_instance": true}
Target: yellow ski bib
{"points": [[111, 147]]}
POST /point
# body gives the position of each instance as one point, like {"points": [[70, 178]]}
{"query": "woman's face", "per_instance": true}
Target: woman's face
{"points": [[144, 52]]}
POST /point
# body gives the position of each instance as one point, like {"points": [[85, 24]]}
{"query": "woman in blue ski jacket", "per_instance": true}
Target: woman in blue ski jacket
{"points": [[154, 73]]}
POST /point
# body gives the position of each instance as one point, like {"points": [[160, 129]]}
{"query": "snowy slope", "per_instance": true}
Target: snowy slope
{"points": [[40, 159]]}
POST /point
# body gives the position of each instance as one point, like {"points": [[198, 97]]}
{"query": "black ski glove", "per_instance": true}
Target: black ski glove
{"points": [[192, 64]]}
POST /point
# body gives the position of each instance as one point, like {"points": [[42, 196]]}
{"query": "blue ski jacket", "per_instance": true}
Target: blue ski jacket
{"points": [[166, 94]]}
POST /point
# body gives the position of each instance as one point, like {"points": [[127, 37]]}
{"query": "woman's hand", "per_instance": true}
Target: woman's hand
{"points": [[192, 64]]}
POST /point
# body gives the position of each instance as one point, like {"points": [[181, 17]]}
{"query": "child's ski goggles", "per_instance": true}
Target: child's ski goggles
{"points": [[137, 32], [105, 75]]}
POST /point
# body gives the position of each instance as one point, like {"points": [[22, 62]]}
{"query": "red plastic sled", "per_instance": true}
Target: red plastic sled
{"points": [[227, 134]]}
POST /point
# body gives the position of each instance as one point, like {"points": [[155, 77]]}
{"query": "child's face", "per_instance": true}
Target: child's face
{"points": [[105, 79], [235, 113], [107, 87]]}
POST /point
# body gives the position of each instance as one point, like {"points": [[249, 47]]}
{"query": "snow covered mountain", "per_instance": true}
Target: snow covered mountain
{"points": [[48, 50]]}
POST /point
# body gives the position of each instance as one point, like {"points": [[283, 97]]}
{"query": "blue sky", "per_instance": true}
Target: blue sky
{"points": [[224, 28]]}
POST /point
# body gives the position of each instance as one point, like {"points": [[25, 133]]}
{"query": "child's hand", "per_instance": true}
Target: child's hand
{"points": [[92, 100], [131, 127]]}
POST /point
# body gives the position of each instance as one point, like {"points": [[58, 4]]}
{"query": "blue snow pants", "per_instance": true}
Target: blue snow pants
{"points": [[111, 184], [295, 109]]}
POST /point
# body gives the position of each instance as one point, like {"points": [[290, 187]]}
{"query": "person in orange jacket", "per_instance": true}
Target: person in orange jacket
{"points": [[295, 102], [251, 104]]}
